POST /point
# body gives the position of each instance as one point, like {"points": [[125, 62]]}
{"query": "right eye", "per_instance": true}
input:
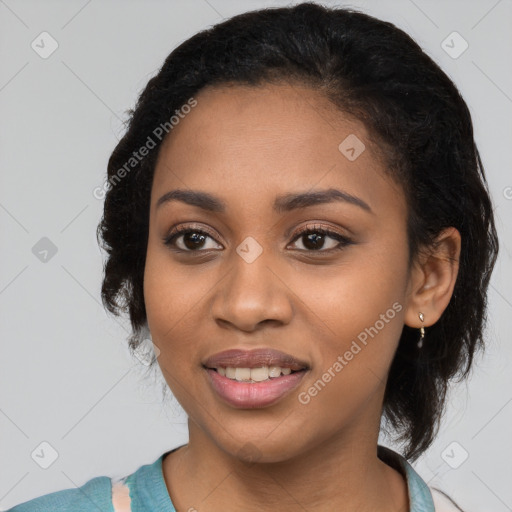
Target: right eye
{"points": [[187, 239]]}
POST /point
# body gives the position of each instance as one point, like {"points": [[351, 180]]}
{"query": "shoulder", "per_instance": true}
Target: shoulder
{"points": [[423, 497], [94, 495], [442, 502], [109, 494]]}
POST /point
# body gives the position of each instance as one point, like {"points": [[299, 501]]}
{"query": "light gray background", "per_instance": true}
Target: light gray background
{"points": [[66, 376]]}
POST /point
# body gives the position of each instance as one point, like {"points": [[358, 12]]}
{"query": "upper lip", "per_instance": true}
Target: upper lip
{"points": [[237, 358]]}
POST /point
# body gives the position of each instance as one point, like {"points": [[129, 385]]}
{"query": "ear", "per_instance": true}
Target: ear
{"points": [[432, 279]]}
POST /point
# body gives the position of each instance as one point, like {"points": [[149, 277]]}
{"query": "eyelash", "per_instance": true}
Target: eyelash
{"points": [[180, 230]]}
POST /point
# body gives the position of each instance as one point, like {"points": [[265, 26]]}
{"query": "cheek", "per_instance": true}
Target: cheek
{"points": [[168, 289], [353, 296], [358, 328], [358, 310], [170, 298]]}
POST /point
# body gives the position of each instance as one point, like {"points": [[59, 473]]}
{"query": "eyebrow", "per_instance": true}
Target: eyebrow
{"points": [[284, 203]]}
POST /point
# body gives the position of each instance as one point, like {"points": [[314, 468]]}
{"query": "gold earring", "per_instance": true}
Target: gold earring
{"points": [[422, 331]]}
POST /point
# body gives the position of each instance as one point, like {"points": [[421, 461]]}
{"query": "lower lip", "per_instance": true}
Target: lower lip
{"points": [[252, 395]]}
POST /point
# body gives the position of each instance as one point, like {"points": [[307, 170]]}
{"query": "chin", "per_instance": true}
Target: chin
{"points": [[258, 451]]}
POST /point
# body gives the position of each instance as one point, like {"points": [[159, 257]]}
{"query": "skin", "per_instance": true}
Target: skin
{"points": [[247, 145]]}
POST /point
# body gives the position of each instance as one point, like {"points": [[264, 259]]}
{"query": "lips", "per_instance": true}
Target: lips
{"points": [[236, 358], [253, 395]]}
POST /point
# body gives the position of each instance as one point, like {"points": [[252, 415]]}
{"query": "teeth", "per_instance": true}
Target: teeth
{"points": [[243, 374], [253, 374], [259, 374], [274, 371]]}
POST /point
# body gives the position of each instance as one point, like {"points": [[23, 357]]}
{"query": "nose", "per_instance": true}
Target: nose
{"points": [[252, 295]]}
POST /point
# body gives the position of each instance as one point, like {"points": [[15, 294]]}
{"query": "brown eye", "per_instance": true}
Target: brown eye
{"points": [[316, 238], [189, 240]]}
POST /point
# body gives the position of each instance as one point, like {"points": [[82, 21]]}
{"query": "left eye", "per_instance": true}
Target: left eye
{"points": [[313, 239]]}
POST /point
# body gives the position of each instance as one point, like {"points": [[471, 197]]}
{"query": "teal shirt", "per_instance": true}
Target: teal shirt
{"points": [[148, 491]]}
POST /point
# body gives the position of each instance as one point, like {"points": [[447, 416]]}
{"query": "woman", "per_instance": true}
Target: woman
{"points": [[299, 216]]}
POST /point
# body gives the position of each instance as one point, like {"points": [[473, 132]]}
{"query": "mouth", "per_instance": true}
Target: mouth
{"points": [[255, 365], [254, 379], [259, 374]]}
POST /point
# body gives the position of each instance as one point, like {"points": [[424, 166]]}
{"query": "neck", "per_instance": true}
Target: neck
{"points": [[343, 473]]}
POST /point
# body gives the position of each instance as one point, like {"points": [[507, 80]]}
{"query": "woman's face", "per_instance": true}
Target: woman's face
{"points": [[243, 277]]}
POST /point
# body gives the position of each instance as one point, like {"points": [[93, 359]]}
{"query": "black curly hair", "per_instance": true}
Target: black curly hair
{"points": [[374, 71]]}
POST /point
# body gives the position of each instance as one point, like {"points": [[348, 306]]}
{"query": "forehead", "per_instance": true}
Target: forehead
{"points": [[270, 115], [242, 140]]}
